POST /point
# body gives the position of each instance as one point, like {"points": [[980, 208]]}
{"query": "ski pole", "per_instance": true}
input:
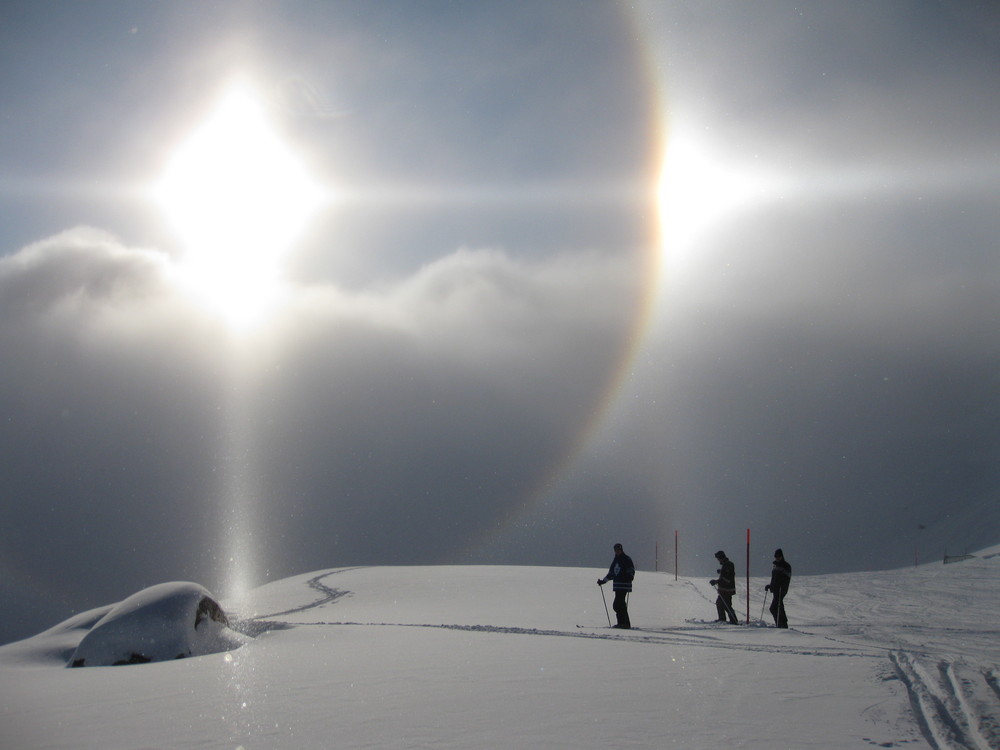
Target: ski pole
{"points": [[761, 618], [603, 599]]}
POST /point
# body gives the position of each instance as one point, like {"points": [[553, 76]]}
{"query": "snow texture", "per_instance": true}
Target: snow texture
{"points": [[167, 621], [489, 657]]}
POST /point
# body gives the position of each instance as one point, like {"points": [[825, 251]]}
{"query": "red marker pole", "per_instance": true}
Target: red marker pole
{"points": [[675, 554], [748, 576]]}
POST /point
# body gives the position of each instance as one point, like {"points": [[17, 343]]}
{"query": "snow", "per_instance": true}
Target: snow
{"points": [[487, 657], [167, 621]]}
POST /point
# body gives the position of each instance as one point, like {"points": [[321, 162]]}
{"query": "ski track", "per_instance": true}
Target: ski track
{"points": [[660, 637], [328, 594], [692, 634], [993, 681], [955, 705]]}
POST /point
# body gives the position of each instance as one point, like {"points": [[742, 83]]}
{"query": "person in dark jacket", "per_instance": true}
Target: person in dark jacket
{"points": [[622, 571], [781, 578], [726, 584]]}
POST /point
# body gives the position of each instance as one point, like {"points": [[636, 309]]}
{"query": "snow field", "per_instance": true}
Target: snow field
{"points": [[492, 657]]}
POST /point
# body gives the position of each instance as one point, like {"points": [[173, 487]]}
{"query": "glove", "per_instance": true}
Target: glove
{"points": [[601, 581], [712, 582], [767, 587]]}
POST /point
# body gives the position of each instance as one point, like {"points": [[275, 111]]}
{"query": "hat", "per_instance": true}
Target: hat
{"points": [[618, 545], [720, 554], [779, 553]]}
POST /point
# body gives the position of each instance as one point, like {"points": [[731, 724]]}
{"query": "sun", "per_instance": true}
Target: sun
{"points": [[238, 198], [702, 187]]}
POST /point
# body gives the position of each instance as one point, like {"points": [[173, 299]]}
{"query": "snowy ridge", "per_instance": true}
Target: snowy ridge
{"points": [[486, 657]]}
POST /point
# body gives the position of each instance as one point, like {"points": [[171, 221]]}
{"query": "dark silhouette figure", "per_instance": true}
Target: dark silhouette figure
{"points": [[726, 585], [781, 578], [622, 571]]}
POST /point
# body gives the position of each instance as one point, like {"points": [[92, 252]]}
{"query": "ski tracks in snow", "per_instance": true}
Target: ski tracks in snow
{"points": [[328, 594], [956, 705], [693, 633]]}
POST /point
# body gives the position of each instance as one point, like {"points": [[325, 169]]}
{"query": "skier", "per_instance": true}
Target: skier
{"points": [[726, 583], [781, 577], [621, 571]]}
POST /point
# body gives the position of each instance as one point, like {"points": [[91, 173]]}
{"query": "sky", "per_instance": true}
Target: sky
{"points": [[384, 656], [292, 285]]}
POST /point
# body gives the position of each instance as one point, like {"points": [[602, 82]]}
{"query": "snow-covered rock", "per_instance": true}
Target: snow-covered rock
{"points": [[163, 622]]}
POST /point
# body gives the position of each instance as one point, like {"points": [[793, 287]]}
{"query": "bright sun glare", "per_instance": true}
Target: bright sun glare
{"points": [[701, 188], [238, 198]]}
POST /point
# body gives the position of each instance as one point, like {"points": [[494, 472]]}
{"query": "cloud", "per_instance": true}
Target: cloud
{"points": [[74, 268], [392, 424]]}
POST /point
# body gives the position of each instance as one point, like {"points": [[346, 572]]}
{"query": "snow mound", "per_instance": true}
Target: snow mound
{"points": [[160, 623]]}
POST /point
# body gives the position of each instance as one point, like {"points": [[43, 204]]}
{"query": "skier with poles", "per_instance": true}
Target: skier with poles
{"points": [[621, 571], [781, 578], [726, 586]]}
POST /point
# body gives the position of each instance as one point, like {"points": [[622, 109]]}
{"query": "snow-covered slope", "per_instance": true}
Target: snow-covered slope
{"points": [[490, 657]]}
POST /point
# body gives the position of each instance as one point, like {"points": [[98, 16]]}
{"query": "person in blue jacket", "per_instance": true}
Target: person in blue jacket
{"points": [[621, 571]]}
